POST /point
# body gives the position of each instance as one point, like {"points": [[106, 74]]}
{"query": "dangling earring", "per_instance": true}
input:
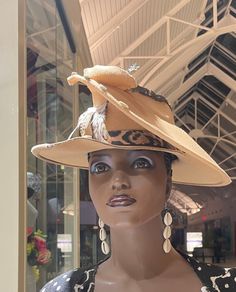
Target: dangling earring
{"points": [[167, 220], [103, 235]]}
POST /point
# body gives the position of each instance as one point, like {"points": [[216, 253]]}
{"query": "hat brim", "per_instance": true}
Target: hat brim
{"points": [[194, 166], [188, 169]]}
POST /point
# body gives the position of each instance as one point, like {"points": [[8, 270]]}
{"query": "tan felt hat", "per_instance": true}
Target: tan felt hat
{"points": [[127, 116]]}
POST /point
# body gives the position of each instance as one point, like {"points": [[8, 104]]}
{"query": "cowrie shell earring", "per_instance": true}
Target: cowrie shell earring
{"points": [[167, 231], [103, 236]]}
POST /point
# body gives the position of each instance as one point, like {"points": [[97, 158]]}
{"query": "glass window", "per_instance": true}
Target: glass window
{"points": [[51, 195]]}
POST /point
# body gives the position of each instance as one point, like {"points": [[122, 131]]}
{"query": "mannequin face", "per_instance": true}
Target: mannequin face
{"points": [[128, 188]]}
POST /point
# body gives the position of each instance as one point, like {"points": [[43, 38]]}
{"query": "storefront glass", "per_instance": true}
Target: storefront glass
{"points": [[58, 197], [50, 107]]}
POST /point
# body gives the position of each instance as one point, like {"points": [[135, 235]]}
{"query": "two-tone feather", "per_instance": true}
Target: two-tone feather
{"points": [[94, 116], [84, 121], [98, 124]]}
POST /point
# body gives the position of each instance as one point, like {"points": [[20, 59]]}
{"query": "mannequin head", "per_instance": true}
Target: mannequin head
{"points": [[128, 188]]}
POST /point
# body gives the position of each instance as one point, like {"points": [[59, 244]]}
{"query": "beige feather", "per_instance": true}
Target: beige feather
{"points": [[98, 124], [84, 121]]}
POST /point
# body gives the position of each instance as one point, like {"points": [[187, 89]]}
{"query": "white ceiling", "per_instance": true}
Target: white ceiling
{"points": [[151, 33], [164, 38], [186, 51]]}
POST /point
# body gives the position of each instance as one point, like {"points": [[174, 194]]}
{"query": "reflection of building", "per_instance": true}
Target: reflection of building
{"points": [[54, 45], [52, 107], [41, 44]]}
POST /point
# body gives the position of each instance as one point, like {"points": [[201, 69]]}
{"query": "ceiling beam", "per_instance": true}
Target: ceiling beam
{"points": [[218, 110], [216, 139], [222, 76], [143, 70], [195, 78], [172, 84], [149, 32], [177, 41], [175, 66], [207, 69], [176, 109], [113, 24], [185, 54]]}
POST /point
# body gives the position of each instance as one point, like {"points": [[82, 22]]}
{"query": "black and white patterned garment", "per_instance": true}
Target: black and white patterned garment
{"points": [[213, 278]]}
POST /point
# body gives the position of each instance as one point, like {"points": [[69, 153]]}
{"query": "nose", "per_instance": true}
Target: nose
{"points": [[120, 181]]}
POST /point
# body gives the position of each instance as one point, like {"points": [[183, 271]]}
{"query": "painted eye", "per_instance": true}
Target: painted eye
{"points": [[99, 167], [142, 163]]}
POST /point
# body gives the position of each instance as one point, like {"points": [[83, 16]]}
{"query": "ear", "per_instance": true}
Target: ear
{"points": [[168, 186]]}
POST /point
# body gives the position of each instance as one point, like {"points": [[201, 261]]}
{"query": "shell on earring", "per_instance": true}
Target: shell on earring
{"points": [[103, 236], [100, 223], [105, 247], [167, 232], [167, 220], [167, 246]]}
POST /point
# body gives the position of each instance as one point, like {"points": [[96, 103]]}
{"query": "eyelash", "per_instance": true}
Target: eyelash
{"points": [[148, 163], [94, 169]]}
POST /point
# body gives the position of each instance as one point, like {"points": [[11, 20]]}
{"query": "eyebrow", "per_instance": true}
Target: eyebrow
{"points": [[98, 155], [138, 151], [130, 153]]}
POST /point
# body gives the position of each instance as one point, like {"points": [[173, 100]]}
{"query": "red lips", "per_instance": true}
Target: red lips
{"points": [[122, 200]]}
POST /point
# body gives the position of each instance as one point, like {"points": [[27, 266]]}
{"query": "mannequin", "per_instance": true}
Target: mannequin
{"points": [[129, 143], [137, 261]]}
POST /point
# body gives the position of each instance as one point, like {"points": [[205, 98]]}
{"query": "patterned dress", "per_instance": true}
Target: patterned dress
{"points": [[213, 278]]}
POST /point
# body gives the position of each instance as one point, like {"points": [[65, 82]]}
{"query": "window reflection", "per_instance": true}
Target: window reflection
{"points": [[49, 119], [53, 208]]}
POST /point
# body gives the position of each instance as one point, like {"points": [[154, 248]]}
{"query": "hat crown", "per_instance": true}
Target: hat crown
{"points": [[111, 75]]}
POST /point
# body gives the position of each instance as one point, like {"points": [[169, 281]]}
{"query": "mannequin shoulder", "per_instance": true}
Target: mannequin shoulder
{"points": [[66, 282]]}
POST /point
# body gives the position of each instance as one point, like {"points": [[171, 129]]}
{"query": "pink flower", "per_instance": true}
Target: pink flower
{"points": [[44, 257], [29, 230], [40, 243]]}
